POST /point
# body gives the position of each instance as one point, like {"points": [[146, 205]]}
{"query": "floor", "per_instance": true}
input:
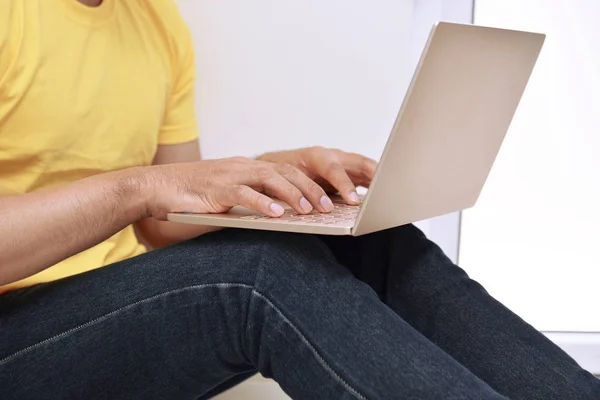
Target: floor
{"points": [[256, 388]]}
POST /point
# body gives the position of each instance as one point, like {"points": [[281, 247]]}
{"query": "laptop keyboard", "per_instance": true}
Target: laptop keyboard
{"points": [[342, 213]]}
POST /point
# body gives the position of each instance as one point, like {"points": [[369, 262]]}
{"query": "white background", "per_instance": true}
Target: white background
{"points": [[279, 74], [532, 240]]}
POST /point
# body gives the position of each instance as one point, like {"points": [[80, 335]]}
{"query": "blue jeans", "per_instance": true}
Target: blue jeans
{"points": [[384, 316]]}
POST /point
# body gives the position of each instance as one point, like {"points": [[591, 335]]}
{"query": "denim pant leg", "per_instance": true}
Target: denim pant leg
{"points": [[178, 322], [413, 276]]}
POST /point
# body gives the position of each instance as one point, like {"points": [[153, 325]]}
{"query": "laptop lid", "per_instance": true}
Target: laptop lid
{"points": [[451, 125]]}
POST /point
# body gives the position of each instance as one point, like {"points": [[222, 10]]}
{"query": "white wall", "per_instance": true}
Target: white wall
{"points": [[533, 239], [277, 74]]}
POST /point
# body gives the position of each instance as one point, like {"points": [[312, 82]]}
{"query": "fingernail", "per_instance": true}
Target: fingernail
{"points": [[277, 209], [354, 197], [306, 206], [326, 203]]}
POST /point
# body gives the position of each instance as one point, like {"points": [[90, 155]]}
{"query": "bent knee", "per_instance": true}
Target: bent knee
{"points": [[241, 256]]}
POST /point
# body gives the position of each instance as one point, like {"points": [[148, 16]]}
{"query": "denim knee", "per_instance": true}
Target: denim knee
{"points": [[247, 257]]}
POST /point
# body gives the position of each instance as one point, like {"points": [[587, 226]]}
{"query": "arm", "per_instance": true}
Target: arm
{"points": [[333, 169], [155, 233], [37, 228], [42, 228]]}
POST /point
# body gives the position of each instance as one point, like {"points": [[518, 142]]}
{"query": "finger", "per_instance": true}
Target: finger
{"points": [[277, 186], [247, 197], [337, 176], [360, 168], [261, 176], [360, 180], [310, 189]]}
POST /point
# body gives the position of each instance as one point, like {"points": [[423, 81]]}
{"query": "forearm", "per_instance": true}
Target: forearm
{"points": [[42, 228]]}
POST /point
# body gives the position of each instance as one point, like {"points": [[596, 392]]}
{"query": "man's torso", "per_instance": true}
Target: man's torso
{"points": [[82, 91]]}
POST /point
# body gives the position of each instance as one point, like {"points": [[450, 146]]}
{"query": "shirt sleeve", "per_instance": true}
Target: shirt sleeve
{"points": [[179, 123]]}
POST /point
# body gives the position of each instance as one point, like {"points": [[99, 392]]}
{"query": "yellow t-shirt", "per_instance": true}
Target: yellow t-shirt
{"points": [[89, 90]]}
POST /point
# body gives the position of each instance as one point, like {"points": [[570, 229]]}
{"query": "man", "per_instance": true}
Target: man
{"points": [[98, 143]]}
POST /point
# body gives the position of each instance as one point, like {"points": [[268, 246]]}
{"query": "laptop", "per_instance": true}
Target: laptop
{"points": [[449, 129]]}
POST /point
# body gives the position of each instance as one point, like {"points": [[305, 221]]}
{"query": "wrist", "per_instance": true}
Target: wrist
{"points": [[133, 191]]}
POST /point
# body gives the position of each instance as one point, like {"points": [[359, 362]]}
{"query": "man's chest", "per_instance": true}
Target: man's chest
{"points": [[94, 101]]}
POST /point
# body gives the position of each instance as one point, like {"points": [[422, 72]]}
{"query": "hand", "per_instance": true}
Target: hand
{"points": [[334, 170], [215, 186]]}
